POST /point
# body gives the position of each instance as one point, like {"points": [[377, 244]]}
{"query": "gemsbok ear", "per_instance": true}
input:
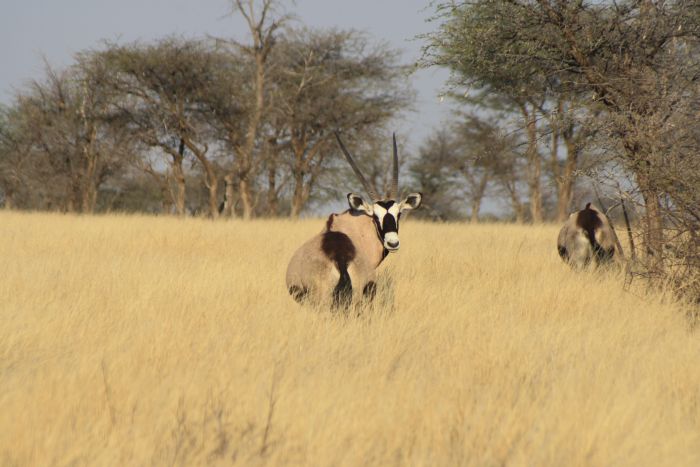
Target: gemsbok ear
{"points": [[358, 204], [412, 201]]}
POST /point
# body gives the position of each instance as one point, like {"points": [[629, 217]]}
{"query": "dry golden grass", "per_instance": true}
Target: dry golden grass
{"points": [[158, 341]]}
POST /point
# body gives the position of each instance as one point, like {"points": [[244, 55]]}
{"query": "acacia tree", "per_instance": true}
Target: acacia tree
{"points": [[164, 89], [34, 163], [456, 165], [480, 151], [60, 129], [48, 113], [328, 81], [15, 159], [438, 181]]}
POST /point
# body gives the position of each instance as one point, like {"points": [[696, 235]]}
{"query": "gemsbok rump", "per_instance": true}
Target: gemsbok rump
{"points": [[588, 236], [339, 264]]}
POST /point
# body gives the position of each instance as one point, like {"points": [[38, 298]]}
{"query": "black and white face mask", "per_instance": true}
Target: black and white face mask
{"points": [[386, 215]]}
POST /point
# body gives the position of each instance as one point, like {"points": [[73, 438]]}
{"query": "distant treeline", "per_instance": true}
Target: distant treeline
{"points": [[208, 126], [219, 127]]}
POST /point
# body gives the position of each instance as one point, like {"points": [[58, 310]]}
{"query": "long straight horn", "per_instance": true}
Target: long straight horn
{"points": [[370, 191], [395, 174]]}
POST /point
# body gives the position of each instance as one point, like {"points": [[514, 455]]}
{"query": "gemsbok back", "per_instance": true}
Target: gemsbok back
{"points": [[338, 265], [588, 236]]}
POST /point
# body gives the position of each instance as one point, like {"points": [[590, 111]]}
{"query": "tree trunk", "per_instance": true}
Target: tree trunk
{"points": [[519, 213], [89, 196], [298, 171], [85, 201], [167, 201], [298, 196], [179, 175], [554, 148], [534, 165], [518, 208], [477, 198], [180, 193], [86, 196], [211, 180], [213, 185], [509, 185], [246, 153], [653, 224], [476, 206], [566, 179], [246, 198], [70, 205], [272, 199], [653, 233], [228, 210], [9, 201], [75, 196]]}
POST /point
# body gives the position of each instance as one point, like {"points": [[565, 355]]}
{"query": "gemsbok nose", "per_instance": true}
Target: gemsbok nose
{"points": [[392, 245]]}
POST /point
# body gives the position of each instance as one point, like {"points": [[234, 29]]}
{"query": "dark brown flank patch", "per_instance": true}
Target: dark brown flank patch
{"points": [[329, 222], [338, 248], [589, 221]]}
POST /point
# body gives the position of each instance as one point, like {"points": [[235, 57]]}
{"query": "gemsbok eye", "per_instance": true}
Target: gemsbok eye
{"points": [[341, 261]]}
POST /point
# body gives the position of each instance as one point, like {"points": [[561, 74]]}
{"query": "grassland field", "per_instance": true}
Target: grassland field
{"points": [[129, 340]]}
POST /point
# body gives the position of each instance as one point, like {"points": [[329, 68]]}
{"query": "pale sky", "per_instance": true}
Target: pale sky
{"points": [[33, 29]]}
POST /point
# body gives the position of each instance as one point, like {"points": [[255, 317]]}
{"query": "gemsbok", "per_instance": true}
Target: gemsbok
{"points": [[339, 264], [587, 236]]}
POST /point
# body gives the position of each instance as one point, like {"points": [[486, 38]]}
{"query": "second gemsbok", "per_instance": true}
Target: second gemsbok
{"points": [[588, 237]]}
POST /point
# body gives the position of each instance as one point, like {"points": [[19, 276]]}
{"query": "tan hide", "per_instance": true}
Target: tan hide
{"points": [[313, 274]]}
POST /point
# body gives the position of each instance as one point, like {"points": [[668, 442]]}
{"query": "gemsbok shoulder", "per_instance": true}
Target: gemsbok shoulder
{"points": [[588, 236], [338, 266]]}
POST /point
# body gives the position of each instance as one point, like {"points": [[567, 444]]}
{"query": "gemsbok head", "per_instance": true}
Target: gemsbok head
{"points": [[339, 264], [587, 236]]}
